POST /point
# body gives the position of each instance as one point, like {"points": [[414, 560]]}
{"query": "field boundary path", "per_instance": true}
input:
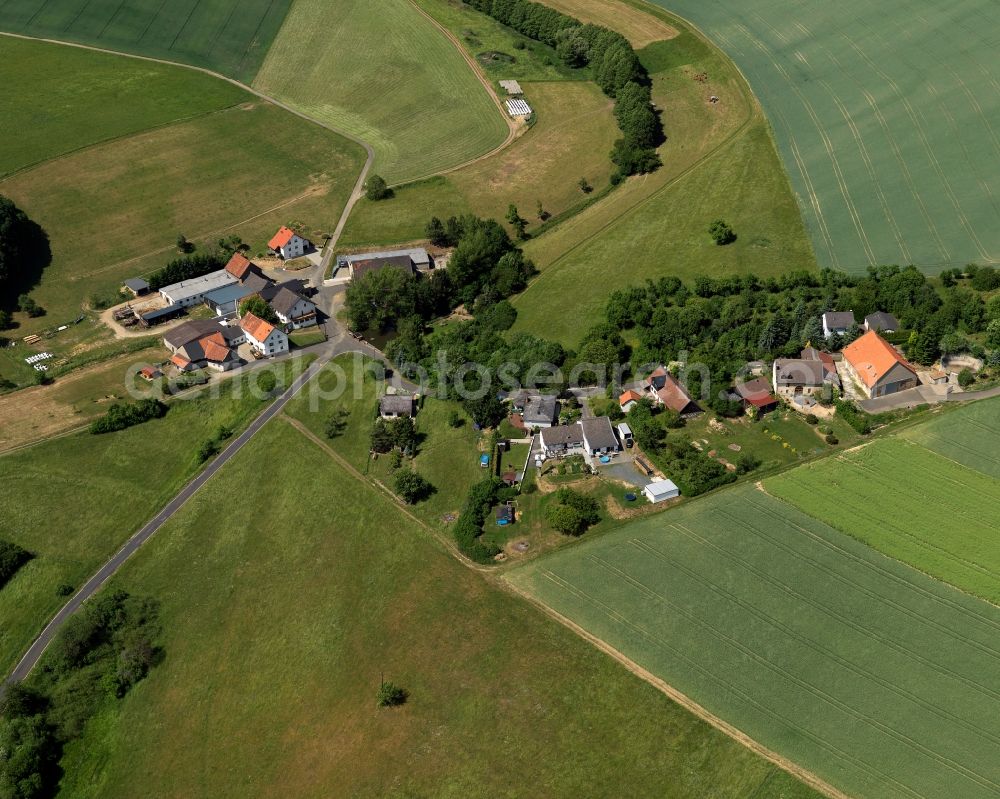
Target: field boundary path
{"points": [[682, 699], [130, 547]]}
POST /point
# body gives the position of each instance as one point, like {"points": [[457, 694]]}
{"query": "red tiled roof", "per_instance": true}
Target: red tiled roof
{"points": [[256, 327], [872, 357], [281, 238], [673, 394], [239, 265], [629, 396], [214, 347], [179, 360], [757, 393]]}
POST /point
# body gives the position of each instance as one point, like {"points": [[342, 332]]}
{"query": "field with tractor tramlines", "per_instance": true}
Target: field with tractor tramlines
{"points": [[227, 36], [384, 73], [869, 674], [911, 504], [886, 118], [969, 434]]}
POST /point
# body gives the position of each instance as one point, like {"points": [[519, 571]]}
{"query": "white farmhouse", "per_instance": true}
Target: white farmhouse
{"points": [[263, 336], [288, 244]]}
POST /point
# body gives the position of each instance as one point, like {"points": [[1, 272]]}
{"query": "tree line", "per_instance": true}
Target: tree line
{"points": [[615, 66], [121, 415]]}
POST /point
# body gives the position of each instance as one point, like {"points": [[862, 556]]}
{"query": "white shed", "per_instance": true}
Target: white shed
{"points": [[661, 490]]}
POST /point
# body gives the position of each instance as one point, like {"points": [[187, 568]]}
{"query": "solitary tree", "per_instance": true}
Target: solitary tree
{"points": [[412, 487], [376, 188], [258, 307], [391, 695], [585, 186], [518, 222], [183, 245], [542, 213], [721, 232]]}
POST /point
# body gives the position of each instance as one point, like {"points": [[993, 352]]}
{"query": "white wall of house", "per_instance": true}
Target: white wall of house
{"points": [[296, 247], [302, 307], [275, 344]]}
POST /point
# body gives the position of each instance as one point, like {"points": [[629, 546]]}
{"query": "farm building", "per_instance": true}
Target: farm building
{"points": [[518, 108], [420, 258], [240, 267], [264, 337], [160, 315], [512, 87], [661, 490], [288, 244], [212, 351], [878, 366], [226, 300], [837, 323], [360, 268], [881, 322], [191, 292], [756, 394], [396, 406], [664, 389], [136, 286], [628, 400]]}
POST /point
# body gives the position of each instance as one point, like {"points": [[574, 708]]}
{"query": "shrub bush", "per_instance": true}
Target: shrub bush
{"points": [[832, 440], [12, 558], [127, 414]]}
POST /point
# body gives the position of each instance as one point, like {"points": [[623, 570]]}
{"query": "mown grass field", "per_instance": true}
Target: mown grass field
{"points": [[227, 36], [869, 674], [911, 504], [969, 435], [886, 119], [640, 28], [114, 210], [280, 622], [719, 161], [70, 98], [384, 73], [73, 501], [571, 139]]}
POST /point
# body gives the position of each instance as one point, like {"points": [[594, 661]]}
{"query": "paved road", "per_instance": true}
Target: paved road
{"points": [[34, 653]]}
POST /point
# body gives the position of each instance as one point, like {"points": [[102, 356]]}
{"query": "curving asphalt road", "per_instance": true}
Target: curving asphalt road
{"points": [[35, 651]]}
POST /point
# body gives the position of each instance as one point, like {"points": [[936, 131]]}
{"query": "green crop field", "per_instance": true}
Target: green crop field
{"points": [[571, 138], [886, 116], [869, 674], [281, 609], [718, 161], [385, 73], [73, 501], [910, 503], [969, 435], [227, 36], [89, 97], [114, 210]]}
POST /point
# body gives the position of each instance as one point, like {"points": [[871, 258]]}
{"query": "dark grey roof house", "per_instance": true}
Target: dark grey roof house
{"points": [[883, 322], [835, 322], [598, 435], [540, 411], [394, 406], [137, 286]]}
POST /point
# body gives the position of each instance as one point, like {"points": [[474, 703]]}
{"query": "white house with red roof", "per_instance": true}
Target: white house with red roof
{"points": [[288, 244], [264, 337]]}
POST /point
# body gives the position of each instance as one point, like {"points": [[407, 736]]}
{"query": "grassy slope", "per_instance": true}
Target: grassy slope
{"points": [[228, 36], [867, 673], [385, 74], [279, 624], [886, 119], [90, 97], [968, 434], [572, 138], [641, 29], [73, 501], [719, 161], [114, 210], [911, 504]]}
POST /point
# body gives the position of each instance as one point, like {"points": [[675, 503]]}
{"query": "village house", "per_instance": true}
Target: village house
{"points": [[562, 440], [837, 323], [210, 351], [362, 267], [540, 410], [289, 305], [591, 436], [599, 436], [878, 366], [628, 400], [287, 244], [265, 338], [881, 322], [797, 379], [396, 406], [664, 389], [199, 328]]}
